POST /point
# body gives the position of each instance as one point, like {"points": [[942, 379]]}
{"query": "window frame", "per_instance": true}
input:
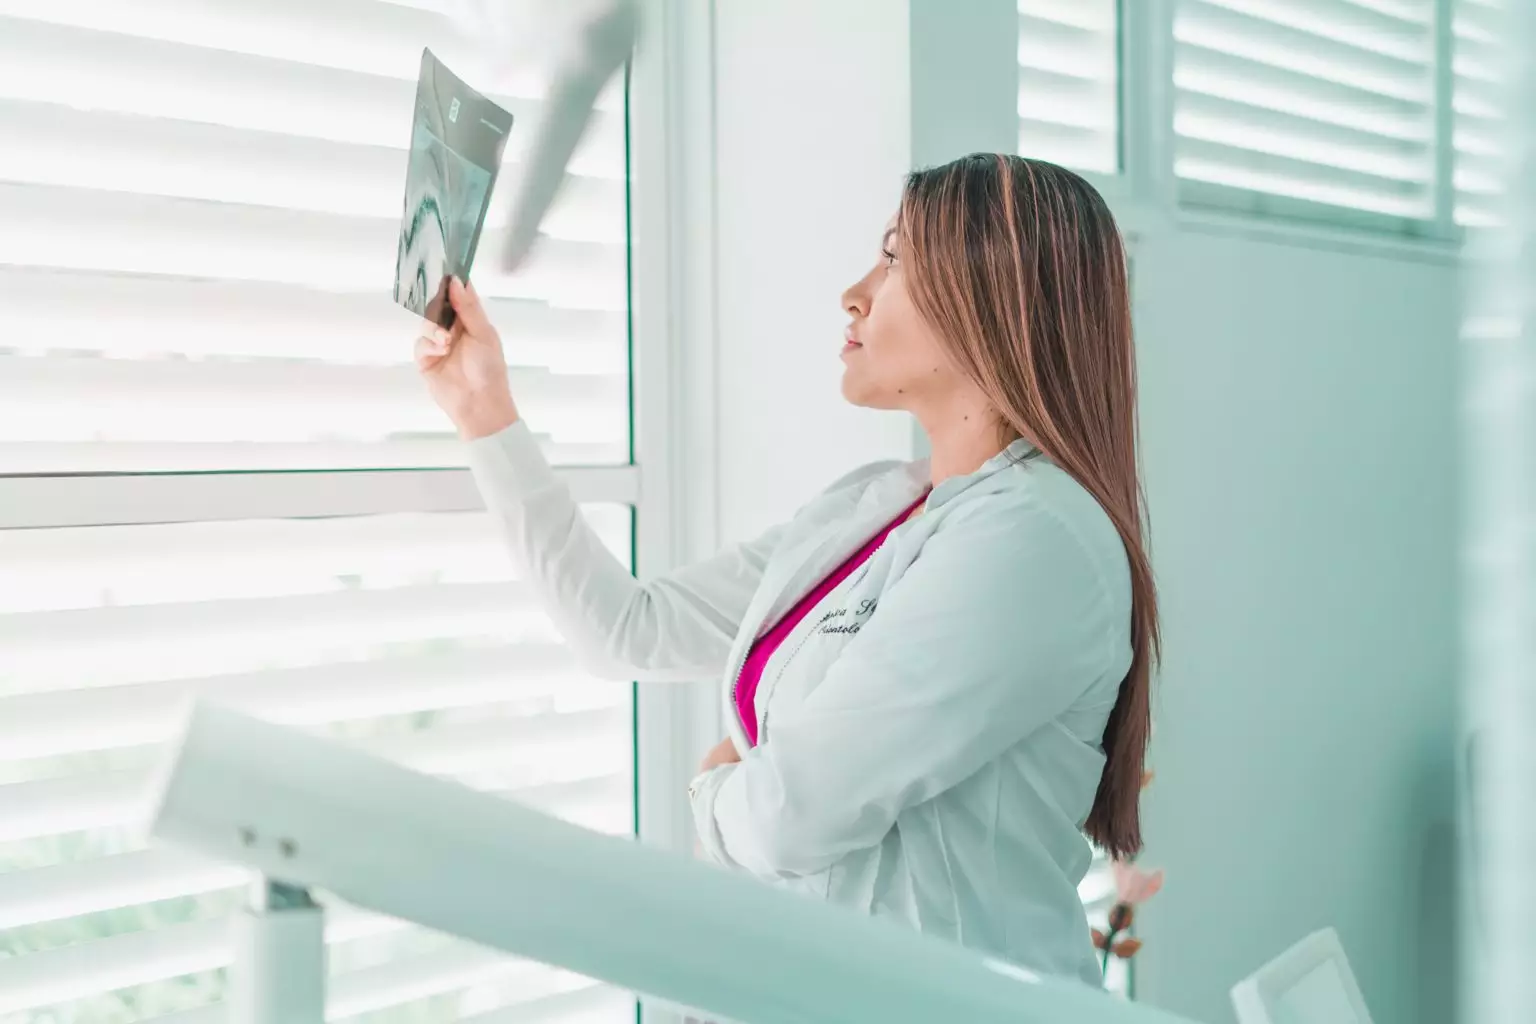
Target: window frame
{"points": [[672, 359], [1264, 207], [1147, 197]]}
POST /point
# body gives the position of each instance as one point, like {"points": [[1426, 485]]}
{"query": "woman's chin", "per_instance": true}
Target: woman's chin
{"points": [[862, 393], [853, 392]]}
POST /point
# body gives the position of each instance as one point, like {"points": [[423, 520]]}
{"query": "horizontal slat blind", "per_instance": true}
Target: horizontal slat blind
{"points": [[1069, 83], [405, 634], [1481, 55], [1326, 102], [201, 200]]}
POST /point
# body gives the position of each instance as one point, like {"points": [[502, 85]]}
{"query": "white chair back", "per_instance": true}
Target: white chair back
{"points": [[1310, 983]]}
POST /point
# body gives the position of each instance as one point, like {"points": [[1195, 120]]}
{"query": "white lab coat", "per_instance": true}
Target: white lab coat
{"points": [[930, 735]]}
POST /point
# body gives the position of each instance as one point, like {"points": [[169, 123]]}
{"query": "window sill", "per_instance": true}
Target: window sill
{"points": [[1285, 221]]}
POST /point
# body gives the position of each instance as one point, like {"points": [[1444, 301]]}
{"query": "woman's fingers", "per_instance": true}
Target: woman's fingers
{"points": [[429, 352], [467, 305]]}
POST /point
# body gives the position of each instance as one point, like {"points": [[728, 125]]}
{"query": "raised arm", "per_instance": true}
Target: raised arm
{"points": [[677, 627]]}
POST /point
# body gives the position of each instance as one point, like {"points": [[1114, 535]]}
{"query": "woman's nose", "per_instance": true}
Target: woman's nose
{"points": [[856, 299]]}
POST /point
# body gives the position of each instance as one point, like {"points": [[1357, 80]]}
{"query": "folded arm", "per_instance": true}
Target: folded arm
{"points": [[1000, 625]]}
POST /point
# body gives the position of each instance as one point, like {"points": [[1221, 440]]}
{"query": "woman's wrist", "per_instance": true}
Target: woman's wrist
{"points": [[484, 418]]}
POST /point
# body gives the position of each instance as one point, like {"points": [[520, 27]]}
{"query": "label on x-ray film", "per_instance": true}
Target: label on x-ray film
{"points": [[457, 138]]}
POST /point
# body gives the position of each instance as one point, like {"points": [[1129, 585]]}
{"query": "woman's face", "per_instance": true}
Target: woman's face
{"points": [[891, 358]]}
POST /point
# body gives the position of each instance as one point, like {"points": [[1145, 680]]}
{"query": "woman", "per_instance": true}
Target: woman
{"points": [[938, 671]]}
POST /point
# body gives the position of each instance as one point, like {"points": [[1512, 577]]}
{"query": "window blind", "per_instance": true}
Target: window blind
{"points": [[1284, 104], [1481, 124], [1069, 83], [200, 200], [406, 634]]}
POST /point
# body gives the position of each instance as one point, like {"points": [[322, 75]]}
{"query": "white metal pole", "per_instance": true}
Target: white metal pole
{"points": [[278, 972], [318, 814]]}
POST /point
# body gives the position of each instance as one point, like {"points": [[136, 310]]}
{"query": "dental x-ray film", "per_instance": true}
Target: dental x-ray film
{"points": [[457, 138]]}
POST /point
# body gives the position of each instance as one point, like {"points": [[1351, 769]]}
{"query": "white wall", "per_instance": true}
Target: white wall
{"points": [[1299, 424], [809, 165]]}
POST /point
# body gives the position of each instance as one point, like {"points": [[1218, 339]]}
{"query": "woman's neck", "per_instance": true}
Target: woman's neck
{"points": [[962, 442]]}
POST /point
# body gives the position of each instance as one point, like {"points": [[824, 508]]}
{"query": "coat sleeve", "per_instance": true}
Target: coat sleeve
{"points": [[675, 627], [1000, 625]]}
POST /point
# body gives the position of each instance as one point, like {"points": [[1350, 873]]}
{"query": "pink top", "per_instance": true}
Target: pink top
{"points": [[765, 645]]}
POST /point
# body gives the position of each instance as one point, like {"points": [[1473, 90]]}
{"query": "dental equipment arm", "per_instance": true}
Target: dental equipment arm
{"points": [[592, 40], [315, 814]]}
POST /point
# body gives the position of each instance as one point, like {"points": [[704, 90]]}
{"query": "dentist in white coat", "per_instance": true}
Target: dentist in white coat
{"points": [[937, 672]]}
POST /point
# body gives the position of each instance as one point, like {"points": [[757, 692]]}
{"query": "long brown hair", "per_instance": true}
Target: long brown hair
{"points": [[1018, 265]]}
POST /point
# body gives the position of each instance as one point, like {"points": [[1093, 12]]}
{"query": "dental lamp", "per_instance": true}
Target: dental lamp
{"points": [[583, 43], [309, 813]]}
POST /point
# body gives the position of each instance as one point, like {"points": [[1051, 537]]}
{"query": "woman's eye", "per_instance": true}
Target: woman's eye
{"points": [[890, 257]]}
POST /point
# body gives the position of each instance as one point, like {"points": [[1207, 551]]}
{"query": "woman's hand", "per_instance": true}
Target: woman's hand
{"points": [[724, 753], [465, 369]]}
